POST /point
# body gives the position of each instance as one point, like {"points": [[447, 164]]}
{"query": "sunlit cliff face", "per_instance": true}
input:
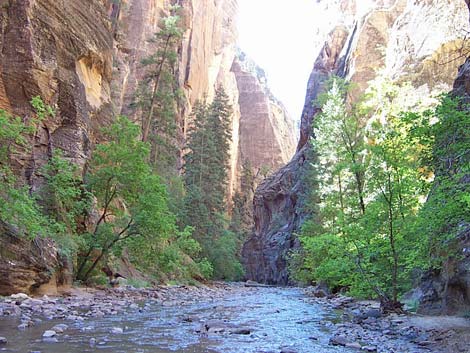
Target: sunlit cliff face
{"points": [[284, 40]]}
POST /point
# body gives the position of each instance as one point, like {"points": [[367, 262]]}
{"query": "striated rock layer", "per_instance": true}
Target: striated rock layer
{"points": [[417, 41], [84, 59], [63, 53], [266, 133]]}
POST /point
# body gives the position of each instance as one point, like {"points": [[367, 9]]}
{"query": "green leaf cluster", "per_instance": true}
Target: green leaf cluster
{"points": [[370, 176]]}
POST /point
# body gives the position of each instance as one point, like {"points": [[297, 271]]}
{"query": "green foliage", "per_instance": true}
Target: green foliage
{"points": [[133, 204], [223, 255], [447, 212], [369, 183], [158, 95], [206, 165], [206, 268], [18, 207], [66, 201], [241, 222]]}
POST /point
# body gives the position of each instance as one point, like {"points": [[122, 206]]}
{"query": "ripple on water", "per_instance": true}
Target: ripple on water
{"points": [[279, 319]]}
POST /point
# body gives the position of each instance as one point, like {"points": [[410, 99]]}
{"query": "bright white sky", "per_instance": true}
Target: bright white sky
{"points": [[279, 35]]}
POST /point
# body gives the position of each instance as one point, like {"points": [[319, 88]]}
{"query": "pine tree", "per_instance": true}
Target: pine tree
{"points": [[206, 174], [158, 94]]}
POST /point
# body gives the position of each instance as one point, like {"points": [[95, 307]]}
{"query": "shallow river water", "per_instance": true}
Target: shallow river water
{"points": [[278, 319]]}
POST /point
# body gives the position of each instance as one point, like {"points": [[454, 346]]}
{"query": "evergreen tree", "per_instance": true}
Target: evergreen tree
{"points": [[206, 174], [242, 211], [158, 94]]}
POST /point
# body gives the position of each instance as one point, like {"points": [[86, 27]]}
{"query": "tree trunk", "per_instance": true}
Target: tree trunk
{"points": [[148, 122]]}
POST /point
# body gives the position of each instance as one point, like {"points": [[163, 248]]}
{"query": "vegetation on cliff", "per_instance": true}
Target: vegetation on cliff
{"points": [[205, 175], [371, 232], [133, 199]]}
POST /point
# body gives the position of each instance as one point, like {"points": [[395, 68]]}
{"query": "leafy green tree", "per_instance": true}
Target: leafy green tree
{"points": [[370, 186], [131, 200]]}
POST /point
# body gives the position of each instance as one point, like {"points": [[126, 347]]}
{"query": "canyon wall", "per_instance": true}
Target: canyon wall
{"points": [[267, 133], [447, 290], [407, 40], [84, 59]]}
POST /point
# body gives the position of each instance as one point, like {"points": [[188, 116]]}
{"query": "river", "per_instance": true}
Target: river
{"points": [[244, 320]]}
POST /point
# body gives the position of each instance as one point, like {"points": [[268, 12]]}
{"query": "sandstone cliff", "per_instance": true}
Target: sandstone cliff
{"points": [[267, 136], [448, 290], [84, 59], [415, 41]]}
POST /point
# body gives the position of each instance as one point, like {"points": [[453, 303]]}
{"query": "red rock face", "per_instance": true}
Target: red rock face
{"points": [[266, 132], [83, 58], [61, 51]]}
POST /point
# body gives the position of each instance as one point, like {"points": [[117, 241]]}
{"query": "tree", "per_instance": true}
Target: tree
{"points": [[370, 187], [131, 200], [158, 94], [205, 176]]}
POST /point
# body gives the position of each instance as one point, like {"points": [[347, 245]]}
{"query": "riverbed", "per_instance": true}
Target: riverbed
{"points": [[225, 319]]}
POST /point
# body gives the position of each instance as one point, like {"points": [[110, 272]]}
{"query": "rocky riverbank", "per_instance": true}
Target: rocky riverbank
{"points": [[363, 326], [217, 317]]}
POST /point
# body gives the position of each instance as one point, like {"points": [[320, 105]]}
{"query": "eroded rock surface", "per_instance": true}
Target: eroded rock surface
{"points": [[84, 60], [26, 266], [267, 133]]}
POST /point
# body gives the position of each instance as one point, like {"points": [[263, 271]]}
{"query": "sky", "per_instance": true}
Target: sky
{"points": [[279, 36]]}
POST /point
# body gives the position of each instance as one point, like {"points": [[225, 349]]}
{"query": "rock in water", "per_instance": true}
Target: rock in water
{"points": [[49, 334], [117, 330], [60, 328]]}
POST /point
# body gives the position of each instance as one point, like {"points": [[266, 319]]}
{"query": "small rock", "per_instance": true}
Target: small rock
{"points": [[241, 331], [3, 340], [117, 330], [60, 328], [354, 345], [396, 321], [425, 343], [369, 348], [49, 333], [50, 340], [19, 296], [339, 341], [22, 326], [92, 341]]}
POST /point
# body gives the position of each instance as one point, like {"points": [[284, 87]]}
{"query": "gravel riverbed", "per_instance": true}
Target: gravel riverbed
{"points": [[217, 318]]}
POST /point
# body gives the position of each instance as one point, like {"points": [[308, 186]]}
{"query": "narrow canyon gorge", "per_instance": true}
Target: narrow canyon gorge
{"points": [[165, 284]]}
